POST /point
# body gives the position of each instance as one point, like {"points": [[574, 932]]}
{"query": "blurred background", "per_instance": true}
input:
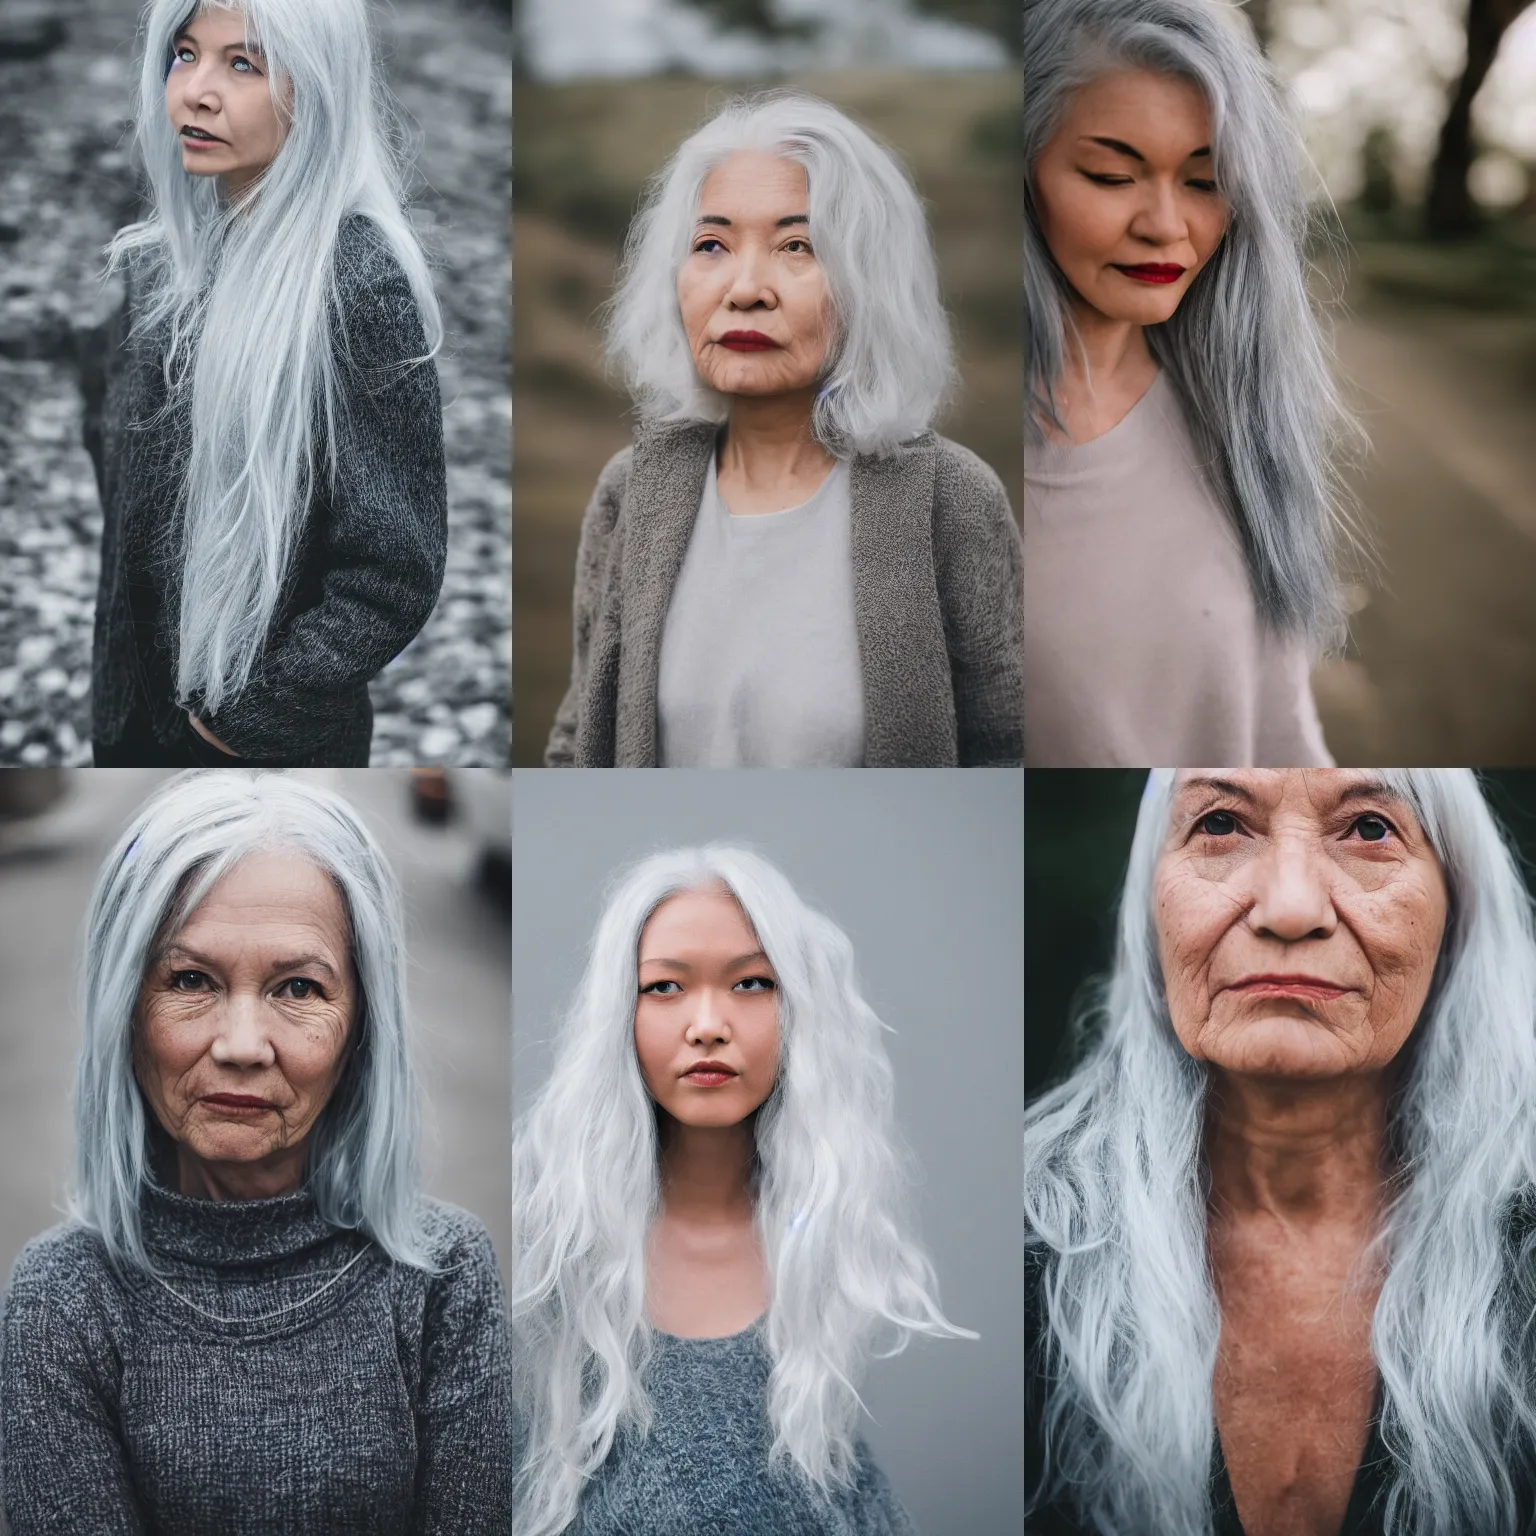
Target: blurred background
{"points": [[922, 872], [1420, 116], [68, 69], [606, 90], [1078, 825], [447, 838]]}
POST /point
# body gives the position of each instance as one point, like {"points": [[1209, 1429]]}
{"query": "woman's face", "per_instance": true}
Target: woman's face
{"points": [[1299, 916], [244, 1014], [218, 97], [751, 292], [1124, 191], [707, 995]]}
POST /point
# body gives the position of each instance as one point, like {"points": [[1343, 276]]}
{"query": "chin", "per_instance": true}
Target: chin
{"points": [[1285, 1047], [234, 1145]]}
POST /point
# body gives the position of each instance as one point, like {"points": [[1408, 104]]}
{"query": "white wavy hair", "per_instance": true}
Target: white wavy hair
{"points": [[847, 1277], [191, 832], [1245, 350], [1115, 1204], [246, 289], [889, 366]]}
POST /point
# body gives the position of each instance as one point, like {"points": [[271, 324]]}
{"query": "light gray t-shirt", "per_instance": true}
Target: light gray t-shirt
{"points": [[1143, 646], [760, 653]]}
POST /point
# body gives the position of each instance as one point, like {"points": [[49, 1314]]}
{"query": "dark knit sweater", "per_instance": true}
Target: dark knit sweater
{"points": [[377, 1407], [372, 549], [938, 592], [703, 1469]]}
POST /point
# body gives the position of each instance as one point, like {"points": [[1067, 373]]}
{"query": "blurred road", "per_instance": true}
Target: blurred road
{"points": [[459, 980]]}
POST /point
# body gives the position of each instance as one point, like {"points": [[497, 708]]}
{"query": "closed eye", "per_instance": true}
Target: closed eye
{"points": [[1108, 181]]}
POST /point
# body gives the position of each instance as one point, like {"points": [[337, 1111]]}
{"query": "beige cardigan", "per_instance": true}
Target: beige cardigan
{"points": [[937, 603]]}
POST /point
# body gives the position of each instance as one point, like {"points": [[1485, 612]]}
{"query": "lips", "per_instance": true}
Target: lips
{"points": [[748, 341], [1305, 988], [199, 135], [1153, 272], [237, 1102], [709, 1074]]}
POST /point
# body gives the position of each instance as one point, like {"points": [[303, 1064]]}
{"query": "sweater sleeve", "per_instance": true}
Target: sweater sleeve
{"points": [[62, 1463], [464, 1403], [597, 527], [980, 570], [377, 551]]}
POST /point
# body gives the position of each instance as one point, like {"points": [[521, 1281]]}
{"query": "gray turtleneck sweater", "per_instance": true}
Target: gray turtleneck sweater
{"points": [[249, 1389], [703, 1469]]}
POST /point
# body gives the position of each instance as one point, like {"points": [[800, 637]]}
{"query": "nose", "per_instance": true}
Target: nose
{"points": [[1292, 892], [242, 1039], [196, 84], [1158, 220], [749, 286], [709, 1024]]}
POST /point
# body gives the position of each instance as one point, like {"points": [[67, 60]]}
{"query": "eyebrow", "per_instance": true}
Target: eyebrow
{"points": [[294, 963], [730, 965], [1357, 789], [186, 36], [724, 223], [1120, 147]]}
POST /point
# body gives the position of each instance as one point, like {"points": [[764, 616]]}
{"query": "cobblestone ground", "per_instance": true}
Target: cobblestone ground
{"points": [[65, 184]]}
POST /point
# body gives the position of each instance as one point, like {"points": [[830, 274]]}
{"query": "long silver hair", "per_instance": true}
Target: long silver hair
{"points": [[1245, 351], [847, 1276], [246, 291], [1115, 1207], [889, 365], [361, 1167]]}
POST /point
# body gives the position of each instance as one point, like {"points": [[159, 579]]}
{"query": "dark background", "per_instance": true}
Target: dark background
{"points": [[1077, 830]]}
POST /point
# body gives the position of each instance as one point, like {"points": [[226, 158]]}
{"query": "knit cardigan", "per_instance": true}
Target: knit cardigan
{"points": [[249, 1391], [369, 561], [938, 603]]}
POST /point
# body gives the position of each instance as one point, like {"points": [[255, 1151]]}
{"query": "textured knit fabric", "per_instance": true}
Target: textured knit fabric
{"points": [[703, 1469], [1142, 643], [370, 559], [937, 587], [760, 652], [379, 1406]]}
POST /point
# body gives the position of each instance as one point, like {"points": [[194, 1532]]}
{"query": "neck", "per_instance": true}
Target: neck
{"points": [[768, 438], [279, 1174], [1310, 1154], [1104, 350], [706, 1171]]}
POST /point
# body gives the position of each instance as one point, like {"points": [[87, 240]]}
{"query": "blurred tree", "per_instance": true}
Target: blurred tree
{"points": [[1002, 18], [1449, 209], [759, 16], [1378, 184]]}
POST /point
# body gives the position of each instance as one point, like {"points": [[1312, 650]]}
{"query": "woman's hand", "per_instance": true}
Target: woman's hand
{"points": [[208, 736]]}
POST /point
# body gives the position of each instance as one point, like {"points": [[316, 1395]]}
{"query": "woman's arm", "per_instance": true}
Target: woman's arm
{"points": [[464, 1403], [62, 1460], [591, 565], [376, 555], [979, 556]]}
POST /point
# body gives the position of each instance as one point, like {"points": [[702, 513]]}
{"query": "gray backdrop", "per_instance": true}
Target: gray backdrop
{"points": [[924, 871], [456, 942]]}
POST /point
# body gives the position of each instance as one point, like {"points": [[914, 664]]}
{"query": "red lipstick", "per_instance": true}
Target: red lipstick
{"points": [[748, 341], [709, 1074], [1304, 988], [1153, 272]]}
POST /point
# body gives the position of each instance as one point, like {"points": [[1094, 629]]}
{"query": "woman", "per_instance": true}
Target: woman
{"points": [[708, 1239], [254, 1321], [271, 464], [789, 568], [1279, 1218], [1181, 509]]}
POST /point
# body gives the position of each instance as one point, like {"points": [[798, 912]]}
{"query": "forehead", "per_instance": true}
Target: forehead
{"points": [[272, 889], [754, 182], [1162, 116], [218, 26], [1304, 789], [699, 919]]}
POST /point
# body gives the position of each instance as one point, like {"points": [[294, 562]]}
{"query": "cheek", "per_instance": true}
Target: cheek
{"points": [[1191, 917]]}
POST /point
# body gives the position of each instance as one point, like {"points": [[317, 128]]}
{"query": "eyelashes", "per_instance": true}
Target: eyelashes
{"points": [[1372, 826]]}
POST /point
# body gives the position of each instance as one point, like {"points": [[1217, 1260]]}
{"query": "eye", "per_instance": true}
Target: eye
{"points": [[1108, 181], [184, 55], [800, 246], [707, 246], [300, 989], [188, 981], [1217, 824], [657, 988], [1203, 186], [239, 60], [1372, 828], [756, 984]]}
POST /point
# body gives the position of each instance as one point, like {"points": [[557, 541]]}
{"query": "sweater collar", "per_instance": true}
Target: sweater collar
{"points": [[231, 1233]]}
